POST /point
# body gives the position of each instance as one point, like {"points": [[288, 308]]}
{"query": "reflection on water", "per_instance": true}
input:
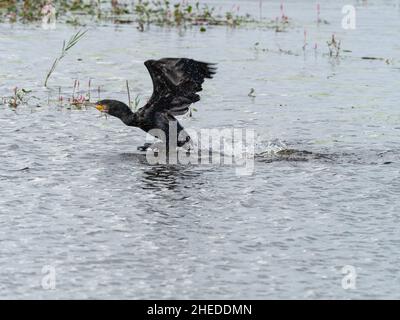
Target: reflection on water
{"points": [[170, 177], [135, 157]]}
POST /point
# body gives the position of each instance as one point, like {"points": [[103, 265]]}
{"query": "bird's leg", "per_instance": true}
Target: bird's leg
{"points": [[145, 146], [187, 144]]}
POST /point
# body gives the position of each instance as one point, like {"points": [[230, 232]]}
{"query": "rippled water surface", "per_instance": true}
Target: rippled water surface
{"points": [[76, 196]]}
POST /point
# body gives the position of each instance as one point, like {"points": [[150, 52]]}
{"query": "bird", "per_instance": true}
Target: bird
{"points": [[176, 82]]}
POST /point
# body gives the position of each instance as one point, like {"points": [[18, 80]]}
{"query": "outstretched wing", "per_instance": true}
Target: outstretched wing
{"points": [[176, 82]]}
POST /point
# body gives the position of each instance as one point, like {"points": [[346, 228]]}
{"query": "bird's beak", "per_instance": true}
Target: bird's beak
{"points": [[100, 107]]}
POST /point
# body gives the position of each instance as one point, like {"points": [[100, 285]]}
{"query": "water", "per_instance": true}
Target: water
{"points": [[76, 196]]}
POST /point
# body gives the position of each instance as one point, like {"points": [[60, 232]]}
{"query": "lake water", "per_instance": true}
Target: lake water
{"points": [[76, 198]]}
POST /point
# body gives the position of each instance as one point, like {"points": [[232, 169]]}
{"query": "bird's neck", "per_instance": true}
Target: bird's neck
{"points": [[130, 119]]}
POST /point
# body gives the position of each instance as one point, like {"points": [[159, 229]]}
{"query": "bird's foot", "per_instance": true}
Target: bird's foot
{"points": [[186, 145], [145, 147]]}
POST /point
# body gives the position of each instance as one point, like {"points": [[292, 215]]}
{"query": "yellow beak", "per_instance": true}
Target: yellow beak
{"points": [[100, 107]]}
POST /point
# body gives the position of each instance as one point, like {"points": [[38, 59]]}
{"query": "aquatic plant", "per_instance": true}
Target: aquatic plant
{"points": [[118, 8], [78, 99], [142, 12], [252, 93], [133, 105], [129, 94], [136, 102], [284, 17], [19, 97], [319, 19], [164, 13], [8, 10], [305, 44], [334, 47], [26, 10], [65, 48], [281, 23]]}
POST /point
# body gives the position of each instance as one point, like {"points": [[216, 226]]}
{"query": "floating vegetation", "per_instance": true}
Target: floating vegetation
{"points": [[257, 47], [282, 153], [75, 98], [142, 12], [78, 100], [280, 24], [19, 97], [25, 11], [184, 13]]}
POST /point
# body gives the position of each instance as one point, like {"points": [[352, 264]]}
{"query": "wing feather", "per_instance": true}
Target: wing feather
{"points": [[176, 82]]}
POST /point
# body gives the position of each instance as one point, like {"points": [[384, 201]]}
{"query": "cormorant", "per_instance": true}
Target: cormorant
{"points": [[176, 82]]}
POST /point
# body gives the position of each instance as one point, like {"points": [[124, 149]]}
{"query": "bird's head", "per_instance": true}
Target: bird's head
{"points": [[114, 108]]}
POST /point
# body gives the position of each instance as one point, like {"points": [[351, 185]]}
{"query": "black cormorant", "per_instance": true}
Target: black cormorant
{"points": [[176, 82]]}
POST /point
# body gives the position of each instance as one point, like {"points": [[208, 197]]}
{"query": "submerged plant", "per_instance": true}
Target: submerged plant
{"points": [[252, 93], [65, 48]]}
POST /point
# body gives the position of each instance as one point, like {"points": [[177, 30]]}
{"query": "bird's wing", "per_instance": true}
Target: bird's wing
{"points": [[176, 82]]}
